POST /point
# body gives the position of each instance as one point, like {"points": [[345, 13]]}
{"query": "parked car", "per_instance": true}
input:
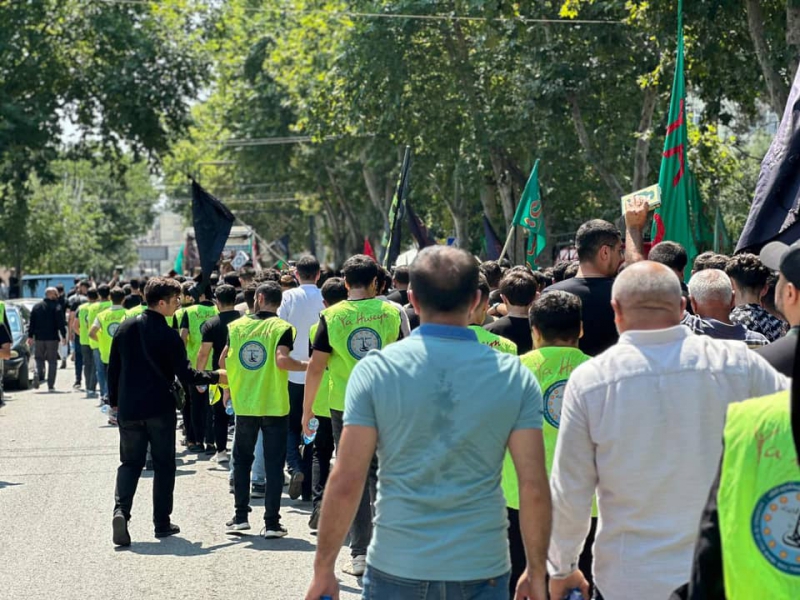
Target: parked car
{"points": [[35, 285], [19, 369]]}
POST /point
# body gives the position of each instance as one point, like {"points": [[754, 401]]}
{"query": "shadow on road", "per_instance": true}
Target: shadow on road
{"points": [[173, 546], [5, 484], [178, 473], [256, 542]]}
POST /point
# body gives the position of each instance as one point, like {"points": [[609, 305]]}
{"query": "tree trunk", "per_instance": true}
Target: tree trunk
{"points": [[591, 157], [776, 87], [376, 188], [351, 230], [641, 167]]}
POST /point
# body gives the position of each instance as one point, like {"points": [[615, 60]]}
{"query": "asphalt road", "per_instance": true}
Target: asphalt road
{"points": [[58, 461]]}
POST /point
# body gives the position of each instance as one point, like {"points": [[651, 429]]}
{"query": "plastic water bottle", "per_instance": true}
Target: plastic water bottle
{"points": [[313, 425], [574, 594], [228, 406], [104, 408], [202, 388], [326, 598]]}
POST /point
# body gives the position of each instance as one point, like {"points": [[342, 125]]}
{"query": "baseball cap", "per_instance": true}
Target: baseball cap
{"points": [[781, 257]]}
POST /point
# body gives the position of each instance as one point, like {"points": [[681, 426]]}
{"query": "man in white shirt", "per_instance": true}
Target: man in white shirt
{"points": [[641, 424], [300, 307]]}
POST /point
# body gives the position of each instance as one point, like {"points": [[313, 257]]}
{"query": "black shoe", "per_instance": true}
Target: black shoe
{"points": [[211, 450], [196, 448], [313, 521], [296, 485], [167, 530], [120, 526]]}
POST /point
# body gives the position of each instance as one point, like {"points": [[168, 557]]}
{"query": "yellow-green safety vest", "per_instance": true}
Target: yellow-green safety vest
{"points": [[322, 401], [109, 323], [135, 311], [498, 342], [355, 328], [758, 501], [552, 367], [197, 314], [83, 322], [258, 387], [94, 310]]}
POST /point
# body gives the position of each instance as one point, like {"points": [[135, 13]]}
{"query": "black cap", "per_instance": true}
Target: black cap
{"points": [[786, 259]]}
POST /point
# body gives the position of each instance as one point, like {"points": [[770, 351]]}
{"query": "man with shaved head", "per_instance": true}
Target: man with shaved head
{"points": [[641, 426], [439, 408]]}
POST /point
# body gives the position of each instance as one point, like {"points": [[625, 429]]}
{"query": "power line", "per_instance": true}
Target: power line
{"points": [[373, 15]]}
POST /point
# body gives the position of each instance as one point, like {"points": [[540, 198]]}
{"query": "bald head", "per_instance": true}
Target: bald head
{"points": [[647, 295], [51, 293]]}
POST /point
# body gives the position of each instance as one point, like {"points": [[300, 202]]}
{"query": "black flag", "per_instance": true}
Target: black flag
{"points": [[391, 240], [773, 214], [417, 228], [212, 226], [493, 244]]}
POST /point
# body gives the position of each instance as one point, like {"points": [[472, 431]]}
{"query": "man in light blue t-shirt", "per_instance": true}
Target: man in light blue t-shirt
{"points": [[440, 409]]}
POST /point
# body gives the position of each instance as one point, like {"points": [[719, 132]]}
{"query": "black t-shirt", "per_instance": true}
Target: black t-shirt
{"points": [[74, 301], [599, 330], [516, 329], [399, 296], [215, 330]]}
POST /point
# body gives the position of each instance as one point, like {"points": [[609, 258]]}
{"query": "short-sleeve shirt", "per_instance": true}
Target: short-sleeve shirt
{"points": [[599, 329], [444, 406], [215, 330]]}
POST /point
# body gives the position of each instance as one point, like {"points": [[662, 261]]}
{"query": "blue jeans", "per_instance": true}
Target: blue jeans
{"points": [[100, 367], [378, 585]]}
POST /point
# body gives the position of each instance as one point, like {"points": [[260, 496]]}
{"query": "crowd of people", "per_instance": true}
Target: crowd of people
{"points": [[498, 432]]}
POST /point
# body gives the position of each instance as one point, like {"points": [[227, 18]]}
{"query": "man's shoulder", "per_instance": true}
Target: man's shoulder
{"points": [[497, 324]]}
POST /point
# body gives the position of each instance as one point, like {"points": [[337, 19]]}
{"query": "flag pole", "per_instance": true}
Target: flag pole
{"points": [[508, 242]]}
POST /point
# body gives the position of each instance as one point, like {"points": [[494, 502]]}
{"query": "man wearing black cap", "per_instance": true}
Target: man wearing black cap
{"points": [[749, 539], [786, 260]]}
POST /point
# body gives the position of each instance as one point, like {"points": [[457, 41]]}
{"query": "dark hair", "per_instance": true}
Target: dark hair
{"points": [[126, 288], [134, 283], [768, 299], [186, 287], [384, 280], [671, 254], [360, 271], [271, 292], [60, 287], [493, 272], [557, 316], [710, 260], [232, 279], [325, 273], [542, 280], [334, 291], [401, 274], [246, 273], [307, 267], [444, 279], [288, 281], [161, 288], [250, 296], [483, 287], [593, 235], [84, 282], [226, 294], [519, 287], [267, 275], [748, 271], [572, 269], [92, 294], [117, 295], [559, 269], [103, 290]]}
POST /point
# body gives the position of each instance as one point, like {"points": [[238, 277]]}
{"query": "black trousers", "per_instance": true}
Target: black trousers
{"points": [[219, 427], [46, 350], [134, 436], [298, 456], [323, 453], [199, 415], [274, 432]]}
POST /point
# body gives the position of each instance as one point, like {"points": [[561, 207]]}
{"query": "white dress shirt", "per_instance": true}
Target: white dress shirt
{"points": [[642, 424], [301, 306]]}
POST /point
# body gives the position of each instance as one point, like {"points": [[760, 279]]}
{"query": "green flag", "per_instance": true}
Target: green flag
{"points": [[178, 266], [529, 215], [722, 241], [679, 193]]}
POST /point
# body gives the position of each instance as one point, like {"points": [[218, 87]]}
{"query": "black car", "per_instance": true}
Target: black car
{"points": [[18, 369]]}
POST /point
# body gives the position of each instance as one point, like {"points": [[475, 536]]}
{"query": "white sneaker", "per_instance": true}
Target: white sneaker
{"points": [[272, 533], [221, 457], [358, 565], [236, 525]]}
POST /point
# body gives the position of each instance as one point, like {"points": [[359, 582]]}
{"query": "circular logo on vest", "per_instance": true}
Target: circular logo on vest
{"points": [[776, 527], [112, 329], [253, 355], [553, 398], [363, 340]]}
